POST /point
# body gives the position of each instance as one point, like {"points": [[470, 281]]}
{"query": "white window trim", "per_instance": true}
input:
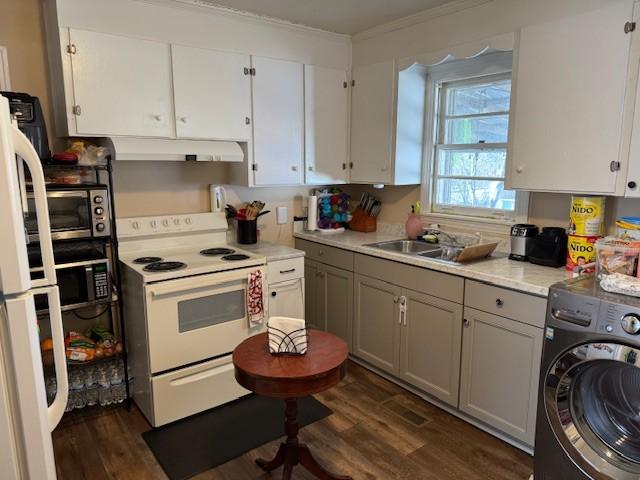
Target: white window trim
{"points": [[483, 65]]}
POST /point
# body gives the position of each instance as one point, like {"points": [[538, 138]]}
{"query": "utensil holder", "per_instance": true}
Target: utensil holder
{"points": [[247, 231], [361, 222]]}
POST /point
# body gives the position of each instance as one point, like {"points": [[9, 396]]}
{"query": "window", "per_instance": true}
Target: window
{"points": [[469, 147]]}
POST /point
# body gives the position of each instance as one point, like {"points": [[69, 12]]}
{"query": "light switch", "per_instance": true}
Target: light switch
{"points": [[281, 215]]}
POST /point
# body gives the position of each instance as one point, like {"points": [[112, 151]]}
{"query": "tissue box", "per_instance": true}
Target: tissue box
{"points": [[287, 336]]}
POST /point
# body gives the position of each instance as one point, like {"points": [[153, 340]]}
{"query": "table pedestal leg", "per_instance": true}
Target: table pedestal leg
{"points": [[292, 453]]}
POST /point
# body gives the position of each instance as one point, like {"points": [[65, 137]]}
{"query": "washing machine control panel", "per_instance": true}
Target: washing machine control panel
{"points": [[618, 319]]}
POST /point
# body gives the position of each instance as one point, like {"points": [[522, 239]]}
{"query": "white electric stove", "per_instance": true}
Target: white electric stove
{"points": [[185, 297]]}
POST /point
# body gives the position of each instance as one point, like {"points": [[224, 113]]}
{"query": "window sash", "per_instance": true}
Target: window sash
{"points": [[439, 145]]}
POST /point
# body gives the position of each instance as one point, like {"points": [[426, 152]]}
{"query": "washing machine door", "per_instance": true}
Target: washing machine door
{"points": [[592, 400]]}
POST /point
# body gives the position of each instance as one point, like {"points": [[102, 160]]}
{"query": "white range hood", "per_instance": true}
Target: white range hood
{"points": [[160, 149]]}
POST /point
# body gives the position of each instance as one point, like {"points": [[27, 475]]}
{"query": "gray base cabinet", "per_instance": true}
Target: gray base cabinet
{"points": [[500, 372], [375, 323], [329, 299], [430, 345]]}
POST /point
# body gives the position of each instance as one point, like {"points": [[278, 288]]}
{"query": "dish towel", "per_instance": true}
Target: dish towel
{"points": [[287, 335], [256, 297]]}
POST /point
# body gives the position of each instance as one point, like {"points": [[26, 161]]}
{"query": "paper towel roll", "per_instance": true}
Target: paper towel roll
{"points": [[312, 212]]}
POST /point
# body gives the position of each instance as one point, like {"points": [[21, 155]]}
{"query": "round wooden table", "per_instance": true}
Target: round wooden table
{"points": [[290, 377]]}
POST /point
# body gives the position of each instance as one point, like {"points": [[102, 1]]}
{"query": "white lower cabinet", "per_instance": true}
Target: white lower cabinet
{"points": [[286, 299], [430, 345], [500, 372]]}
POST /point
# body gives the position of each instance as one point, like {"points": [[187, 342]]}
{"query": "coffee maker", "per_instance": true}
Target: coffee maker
{"points": [[28, 113]]}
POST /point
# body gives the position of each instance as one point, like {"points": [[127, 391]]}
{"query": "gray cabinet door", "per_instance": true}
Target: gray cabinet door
{"points": [[337, 302], [430, 345], [376, 328], [311, 295], [500, 372]]}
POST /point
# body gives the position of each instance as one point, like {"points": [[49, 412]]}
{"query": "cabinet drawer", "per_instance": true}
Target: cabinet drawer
{"points": [[506, 303], [441, 285], [283, 270], [194, 389], [335, 257]]}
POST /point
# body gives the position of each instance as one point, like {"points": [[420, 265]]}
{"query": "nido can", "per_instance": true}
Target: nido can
{"points": [[581, 254], [587, 216]]}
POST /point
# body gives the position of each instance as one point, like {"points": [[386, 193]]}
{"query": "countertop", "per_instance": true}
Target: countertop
{"points": [[272, 251], [498, 270]]}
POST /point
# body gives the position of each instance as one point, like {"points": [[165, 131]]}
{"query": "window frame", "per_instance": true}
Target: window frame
{"points": [[459, 72]]}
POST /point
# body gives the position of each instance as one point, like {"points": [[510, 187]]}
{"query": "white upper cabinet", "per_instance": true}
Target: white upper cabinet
{"points": [[372, 123], [278, 122], [387, 124], [568, 103], [120, 85], [212, 92], [326, 113]]}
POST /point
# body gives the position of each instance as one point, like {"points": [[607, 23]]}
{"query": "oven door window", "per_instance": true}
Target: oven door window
{"points": [[212, 310], [66, 213]]}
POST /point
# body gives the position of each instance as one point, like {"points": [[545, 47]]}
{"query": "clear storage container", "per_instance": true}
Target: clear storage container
{"points": [[616, 256]]}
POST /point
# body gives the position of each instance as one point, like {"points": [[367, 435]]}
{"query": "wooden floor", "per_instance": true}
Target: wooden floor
{"points": [[377, 431]]}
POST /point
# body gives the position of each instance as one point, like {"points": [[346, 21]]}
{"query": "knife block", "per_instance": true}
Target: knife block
{"points": [[361, 222]]}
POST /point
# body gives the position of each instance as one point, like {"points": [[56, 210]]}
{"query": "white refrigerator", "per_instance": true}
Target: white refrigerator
{"points": [[26, 422]]}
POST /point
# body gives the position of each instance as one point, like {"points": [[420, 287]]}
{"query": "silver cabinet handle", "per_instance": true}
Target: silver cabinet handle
{"points": [[291, 270], [466, 323], [396, 299], [403, 310]]}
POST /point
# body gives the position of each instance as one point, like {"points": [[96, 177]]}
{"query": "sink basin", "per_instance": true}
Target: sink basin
{"points": [[410, 247], [436, 255]]}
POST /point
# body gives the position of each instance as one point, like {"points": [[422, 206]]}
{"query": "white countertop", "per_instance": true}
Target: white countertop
{"points": [[272, 251], [521, 276]]}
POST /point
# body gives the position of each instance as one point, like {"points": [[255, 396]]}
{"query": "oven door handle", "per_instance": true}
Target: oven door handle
{"points": [[24, 149], [216, 280]]}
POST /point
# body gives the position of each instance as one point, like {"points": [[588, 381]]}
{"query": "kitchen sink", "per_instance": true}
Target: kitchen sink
{"points": [[410, 247]]}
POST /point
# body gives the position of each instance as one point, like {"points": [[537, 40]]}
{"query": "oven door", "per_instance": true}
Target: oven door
{"points": [[196, 318], [592, 399], [69, 215]]}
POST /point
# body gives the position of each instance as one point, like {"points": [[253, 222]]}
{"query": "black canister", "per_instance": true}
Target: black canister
{"points": [[247, 231]]}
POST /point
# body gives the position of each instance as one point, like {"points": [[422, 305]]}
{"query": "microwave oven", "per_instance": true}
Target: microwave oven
{"points": [[75, 211], [84, 279]]}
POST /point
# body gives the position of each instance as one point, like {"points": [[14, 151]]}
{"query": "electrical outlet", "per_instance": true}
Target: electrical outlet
{"points": [[281, 215]]}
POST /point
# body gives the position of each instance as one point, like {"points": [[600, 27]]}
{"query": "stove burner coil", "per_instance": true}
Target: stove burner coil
{"points": [[164, 266], [217, 251], [147, 260], [235, 257]]}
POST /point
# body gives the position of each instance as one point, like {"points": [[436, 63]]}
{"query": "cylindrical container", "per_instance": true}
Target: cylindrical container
{"points": [[581, 254], [312, 212], [247, 231], [586, 216], [218, 198], [413, 227]]}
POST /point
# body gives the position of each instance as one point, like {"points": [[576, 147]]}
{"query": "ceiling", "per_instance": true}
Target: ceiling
{"points": [[342, 16]]}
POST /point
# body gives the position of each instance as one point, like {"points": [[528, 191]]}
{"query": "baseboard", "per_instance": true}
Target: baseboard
{"points": [[447, 408]]}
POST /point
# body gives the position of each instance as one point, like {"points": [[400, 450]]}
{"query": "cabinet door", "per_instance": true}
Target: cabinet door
{"points": [[567, 104], [337, 301], [311, 305], [325, 93], [500, 372], [286, 299], [122, 85], [278, 117], [430, 345], [212, 94], [372, 123], [375, 323]]}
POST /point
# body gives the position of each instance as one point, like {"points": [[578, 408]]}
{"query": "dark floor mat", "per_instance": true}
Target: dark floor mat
{"points": [[204, 441]]}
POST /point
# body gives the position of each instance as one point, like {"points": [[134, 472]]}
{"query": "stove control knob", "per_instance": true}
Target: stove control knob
{"points": [[135, 225], [100, 227], [177, 221], [154, 224], [187, 221], [631, 324], [98, 210], [165, 222], [97, 199]]}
